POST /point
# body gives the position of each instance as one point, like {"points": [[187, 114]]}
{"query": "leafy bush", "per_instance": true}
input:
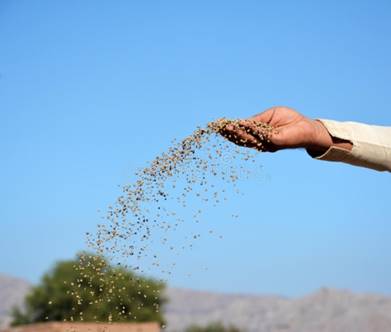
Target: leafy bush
{"points": [[89, 289]]}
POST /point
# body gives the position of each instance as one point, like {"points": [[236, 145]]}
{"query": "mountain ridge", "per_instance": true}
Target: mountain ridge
{"points": [[325, 310]]}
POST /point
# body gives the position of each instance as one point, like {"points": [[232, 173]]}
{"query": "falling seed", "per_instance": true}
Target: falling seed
{"points": [[140, 215]]}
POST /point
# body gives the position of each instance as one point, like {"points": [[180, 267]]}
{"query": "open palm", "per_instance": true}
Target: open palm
{"points": [[290, 130]]}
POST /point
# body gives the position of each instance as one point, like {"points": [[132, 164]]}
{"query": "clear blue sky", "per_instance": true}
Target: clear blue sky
{"points": [[79, 81]]}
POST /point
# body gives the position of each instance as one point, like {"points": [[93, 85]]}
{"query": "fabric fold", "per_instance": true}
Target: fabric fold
{"points": [[371, 145]]}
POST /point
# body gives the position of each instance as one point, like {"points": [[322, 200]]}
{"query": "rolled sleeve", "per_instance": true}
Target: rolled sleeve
{"points": [[371, 145]]}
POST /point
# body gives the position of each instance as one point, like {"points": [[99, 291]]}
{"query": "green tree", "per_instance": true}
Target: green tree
{"points": [[213, 327], [89, 289]]}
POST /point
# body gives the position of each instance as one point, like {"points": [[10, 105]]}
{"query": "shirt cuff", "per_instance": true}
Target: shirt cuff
{"points": [[366, 151], [333, 153]]}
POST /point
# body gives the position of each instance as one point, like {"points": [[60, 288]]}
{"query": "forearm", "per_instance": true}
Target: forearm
{"points": [[355, 143]]}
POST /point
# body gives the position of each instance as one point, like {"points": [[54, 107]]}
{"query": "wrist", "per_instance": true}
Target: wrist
{"points": [[323, 140]]}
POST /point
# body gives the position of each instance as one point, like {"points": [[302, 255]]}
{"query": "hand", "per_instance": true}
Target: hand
{"points": [[290, 130]]}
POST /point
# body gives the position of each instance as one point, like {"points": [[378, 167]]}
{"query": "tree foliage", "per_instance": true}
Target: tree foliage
{"points": [[89, 289], [212, 327]]}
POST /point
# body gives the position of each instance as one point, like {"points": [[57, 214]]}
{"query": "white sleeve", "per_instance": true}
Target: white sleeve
{"points": [[371, 144]]}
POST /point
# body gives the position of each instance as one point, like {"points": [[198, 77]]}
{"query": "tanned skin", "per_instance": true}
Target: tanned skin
{"points": [[291, 130]]}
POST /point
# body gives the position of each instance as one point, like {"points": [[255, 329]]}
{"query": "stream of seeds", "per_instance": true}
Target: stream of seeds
{"points": [[204, 167]]}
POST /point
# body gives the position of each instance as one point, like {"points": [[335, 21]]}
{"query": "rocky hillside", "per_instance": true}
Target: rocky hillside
{"points": [[326, 310]]}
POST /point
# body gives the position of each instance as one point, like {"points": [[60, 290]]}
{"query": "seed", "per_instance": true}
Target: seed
{"points": [[140, 217]]}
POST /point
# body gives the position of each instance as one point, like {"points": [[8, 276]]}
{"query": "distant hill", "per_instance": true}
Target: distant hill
{"points": [[326, 310], [12, 292]]}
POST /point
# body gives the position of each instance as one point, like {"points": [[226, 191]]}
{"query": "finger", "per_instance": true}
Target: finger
{"points": [[239, 136], [272, 139], [266, 116], [277, 116], [270, 147], [261, 132], [257, 129]]}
